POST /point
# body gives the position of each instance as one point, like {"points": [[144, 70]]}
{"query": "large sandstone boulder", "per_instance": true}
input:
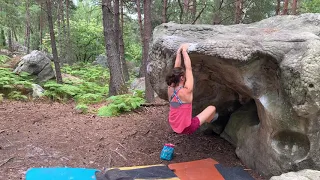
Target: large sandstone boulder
{"points": [[274, 63], [307, 174], [240, 124], [36, 63]]}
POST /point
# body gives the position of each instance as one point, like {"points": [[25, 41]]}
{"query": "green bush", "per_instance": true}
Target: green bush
{"points": [[86, 40], [310, 6], [120, 104]]}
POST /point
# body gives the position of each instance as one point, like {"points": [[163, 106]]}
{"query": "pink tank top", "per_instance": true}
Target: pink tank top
{"points": [[180, 113]]}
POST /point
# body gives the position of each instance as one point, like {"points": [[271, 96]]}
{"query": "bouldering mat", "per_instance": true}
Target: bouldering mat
{"points": [[159, 172], [61, 173], [208, 169], [232, 173], [197, 170]]}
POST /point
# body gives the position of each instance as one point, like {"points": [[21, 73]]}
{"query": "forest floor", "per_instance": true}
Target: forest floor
{"points": [[44, 134]]}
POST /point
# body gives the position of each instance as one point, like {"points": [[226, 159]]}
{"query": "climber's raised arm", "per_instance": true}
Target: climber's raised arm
{"points": [[187, 63], [178, 58]]}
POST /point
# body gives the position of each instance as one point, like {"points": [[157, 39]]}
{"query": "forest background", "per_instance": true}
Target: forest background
{"points": [[76, 32]]}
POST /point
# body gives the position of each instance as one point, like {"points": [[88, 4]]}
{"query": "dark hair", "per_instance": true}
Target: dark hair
{"points": [[174, 76]]}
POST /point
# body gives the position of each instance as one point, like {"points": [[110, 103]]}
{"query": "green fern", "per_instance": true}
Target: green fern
{"points": [[3, 59], [16, 95], [120, 104], [108, 111], [89, 98], [61, 92], [10, 82], [83, 108], [91, 88], [88, 72]]}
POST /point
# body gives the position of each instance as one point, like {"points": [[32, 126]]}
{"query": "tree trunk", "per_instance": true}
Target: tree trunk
{"points": [[116, 8], [194, 9], [164, 11], [2, 38], [64, 32], [68, 20], [53, 43], [217, 15], [112, 88], [238, 11], [121, 15], [119, 40], [139, 18], [121, 46], [141, 71], [185, 5], [15, 35], [68, 56], [278, 7], [40, 27], [10, 40], [294, 7], [181, 11], [149, 93], [59, 17], [63, 20], [27, 32], [285, 7], [116, 78]]}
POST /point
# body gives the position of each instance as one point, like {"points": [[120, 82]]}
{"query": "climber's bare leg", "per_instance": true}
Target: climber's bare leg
{"points": [[207, 114]]}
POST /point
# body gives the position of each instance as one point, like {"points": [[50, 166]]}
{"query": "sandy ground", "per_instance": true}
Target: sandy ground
{"points": [[38, 134]]}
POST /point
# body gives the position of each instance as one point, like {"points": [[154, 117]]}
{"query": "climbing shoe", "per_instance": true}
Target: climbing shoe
{"points": [[216, 116]]}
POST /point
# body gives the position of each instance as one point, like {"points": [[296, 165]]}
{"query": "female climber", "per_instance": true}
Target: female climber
{"points": [[180, 94]]}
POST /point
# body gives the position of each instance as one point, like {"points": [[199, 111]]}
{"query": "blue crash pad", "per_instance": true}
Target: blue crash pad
{"points": [[63, 173]]}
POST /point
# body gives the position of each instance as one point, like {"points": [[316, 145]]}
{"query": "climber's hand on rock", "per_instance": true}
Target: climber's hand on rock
{"points": [[179, 50], [185, 46]]}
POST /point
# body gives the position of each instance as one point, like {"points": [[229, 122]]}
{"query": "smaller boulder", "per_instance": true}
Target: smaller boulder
{"points": [[306, 174], [19, 48], [101, 60], [37, 91], [136, 71], [138, 84], [36, 63]]}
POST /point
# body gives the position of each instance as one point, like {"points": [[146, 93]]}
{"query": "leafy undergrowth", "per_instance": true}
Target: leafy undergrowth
{"points": [[3, 59], [122, 103], [88, 88], [14, 86]]}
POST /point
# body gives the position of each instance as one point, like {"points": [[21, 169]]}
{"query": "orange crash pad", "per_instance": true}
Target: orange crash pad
{"points": [[197, 170]]}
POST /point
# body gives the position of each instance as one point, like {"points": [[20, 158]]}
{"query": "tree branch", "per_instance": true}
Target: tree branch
{"points": [[199, 14]]}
